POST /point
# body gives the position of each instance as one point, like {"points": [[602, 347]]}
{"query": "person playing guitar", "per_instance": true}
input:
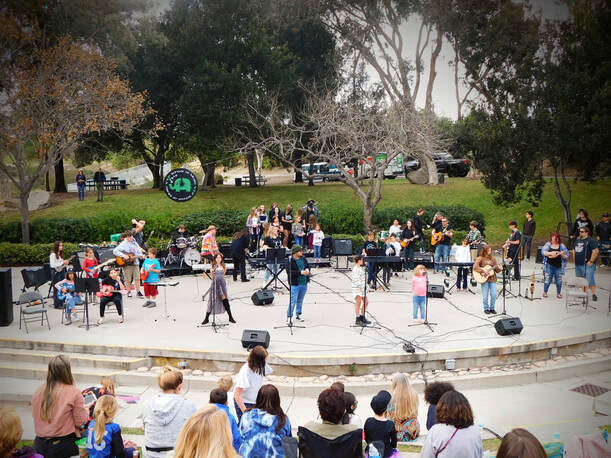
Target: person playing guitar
{"points": [[111, 291], [513, 245], [408, 238], [443, 233], [127, 255], [485, 269], [58, 265], [67, 296]]}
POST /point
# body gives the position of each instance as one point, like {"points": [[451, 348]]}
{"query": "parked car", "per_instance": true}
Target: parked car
{"points": [[322, 171], [445, 164]]}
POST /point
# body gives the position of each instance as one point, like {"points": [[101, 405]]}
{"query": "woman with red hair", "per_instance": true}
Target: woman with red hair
{"points": [[555, 255]]}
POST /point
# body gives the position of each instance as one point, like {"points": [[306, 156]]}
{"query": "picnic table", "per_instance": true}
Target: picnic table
{"points": [[112, 184], [261, 180]]}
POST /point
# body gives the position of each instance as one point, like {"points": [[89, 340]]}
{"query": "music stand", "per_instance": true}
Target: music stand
{"points": [[290, 324], [86, 285], [276, 257], [426, 322], [506, 268]]}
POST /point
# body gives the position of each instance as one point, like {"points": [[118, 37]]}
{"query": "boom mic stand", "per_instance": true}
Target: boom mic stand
{"points": [[290, 324], [426, 323]]}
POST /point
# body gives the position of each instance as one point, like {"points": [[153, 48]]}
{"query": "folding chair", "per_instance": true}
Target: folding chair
{"points": [[573, 293], [31, 303]]}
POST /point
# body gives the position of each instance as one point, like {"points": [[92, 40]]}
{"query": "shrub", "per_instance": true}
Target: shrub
{"points": [[12, 254]]}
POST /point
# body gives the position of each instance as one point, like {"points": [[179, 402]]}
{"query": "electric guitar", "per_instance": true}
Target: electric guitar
{"points": [[482, 278], [144, 274]]}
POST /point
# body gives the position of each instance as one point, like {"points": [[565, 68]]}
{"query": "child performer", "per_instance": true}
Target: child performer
{"points": [[419, 287], [149, 274], [358, 291], [463, 254]]}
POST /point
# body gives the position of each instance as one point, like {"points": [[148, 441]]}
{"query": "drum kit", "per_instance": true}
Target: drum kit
{"points": [[183, 250]]}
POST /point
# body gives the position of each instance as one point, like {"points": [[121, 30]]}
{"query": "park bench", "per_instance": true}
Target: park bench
{"points": [[245, 180], [109, 185]]}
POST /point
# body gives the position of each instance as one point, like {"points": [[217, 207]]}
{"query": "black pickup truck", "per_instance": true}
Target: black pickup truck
{"points": [[445, 164]]}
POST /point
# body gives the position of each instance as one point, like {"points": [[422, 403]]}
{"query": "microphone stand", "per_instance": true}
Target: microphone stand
{"points": [[214, 325], [290, 324], [426, 323]]}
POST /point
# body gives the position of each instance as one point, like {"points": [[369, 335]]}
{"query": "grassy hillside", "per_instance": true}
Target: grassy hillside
{"points": [[142, 203]]}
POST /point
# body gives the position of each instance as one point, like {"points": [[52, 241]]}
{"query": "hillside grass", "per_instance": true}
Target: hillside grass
{"points": [[143, 203]]}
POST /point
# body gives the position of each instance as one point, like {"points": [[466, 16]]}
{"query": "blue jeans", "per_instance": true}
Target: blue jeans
{"points": [[587, 272], [239, 412], [371, 274], [442, 254], [297, 294], [299, 240], [81, 192], [555, 273], [527, 241], [489, 289], [71, 302], [272, 268], [462, 277], [408, 254], [419, 303], [317, 249]]}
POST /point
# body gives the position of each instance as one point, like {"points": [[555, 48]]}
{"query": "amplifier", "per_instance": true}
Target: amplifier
{"points": [[263, 297], [435, 291], [426, 259], [342, 247], [508, 326], [251, 338], [539, 258]]}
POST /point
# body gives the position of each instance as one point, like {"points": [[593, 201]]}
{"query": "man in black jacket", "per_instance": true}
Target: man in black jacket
{"points": [[419, 227], [99, 178], [299, 276], [239, 248]]}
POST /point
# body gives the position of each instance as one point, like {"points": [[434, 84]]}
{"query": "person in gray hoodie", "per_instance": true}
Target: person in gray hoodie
{"points": [[164, 415]]}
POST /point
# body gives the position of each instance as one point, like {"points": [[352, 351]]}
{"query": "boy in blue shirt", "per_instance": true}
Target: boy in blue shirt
{"points": [[218, 397], [149, 274]]}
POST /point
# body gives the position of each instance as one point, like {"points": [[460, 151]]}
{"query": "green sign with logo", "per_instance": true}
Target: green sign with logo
{"points": [[180, 185]]}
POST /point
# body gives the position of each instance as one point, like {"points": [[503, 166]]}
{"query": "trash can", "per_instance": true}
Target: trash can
{"points": [[123, 184], [238, 181], [441, 178]]}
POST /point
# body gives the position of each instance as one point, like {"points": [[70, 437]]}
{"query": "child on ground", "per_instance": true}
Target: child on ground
{"points": [[103, 435], [226, 383], [317, 237], [379, 430], [10, 435], [106, 387], [419, 292], [150, 276], [463, 254], [350, 418], [218, 397]]}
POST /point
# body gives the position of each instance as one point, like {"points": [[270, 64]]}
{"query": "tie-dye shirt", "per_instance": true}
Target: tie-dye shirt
{"points": [[260, 439]]}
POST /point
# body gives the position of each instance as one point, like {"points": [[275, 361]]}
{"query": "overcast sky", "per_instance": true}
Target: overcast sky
{"points": [[444, 98]]}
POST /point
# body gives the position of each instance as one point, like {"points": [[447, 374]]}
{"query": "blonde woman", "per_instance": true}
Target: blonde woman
{"points": [[359, 277], [252, 223], [164, 415], [206, 435], [58, 410], [103, 435], [403, 408]]}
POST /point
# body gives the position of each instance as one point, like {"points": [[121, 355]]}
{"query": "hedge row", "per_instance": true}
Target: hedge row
{"points": [[333, 220]]}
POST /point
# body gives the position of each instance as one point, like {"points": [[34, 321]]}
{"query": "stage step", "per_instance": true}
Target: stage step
{"points": [[38, 372]]}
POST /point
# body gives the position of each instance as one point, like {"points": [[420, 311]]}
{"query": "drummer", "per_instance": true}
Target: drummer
{"points": [[181, 232], [209, 246]]}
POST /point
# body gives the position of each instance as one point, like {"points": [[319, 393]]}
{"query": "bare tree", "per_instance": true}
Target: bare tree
{"points": [[49, 99], [340, 133]]}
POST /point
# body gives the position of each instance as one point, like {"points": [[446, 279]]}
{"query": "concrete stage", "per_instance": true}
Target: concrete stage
{"points": [[328, 343]]}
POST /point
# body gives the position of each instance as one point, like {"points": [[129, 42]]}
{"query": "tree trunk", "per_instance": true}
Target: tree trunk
{"points": [[428, 105], [251, 170], [311, 179], [156, 179], [298, 167], [47, 185], [565, 203], [431, 168], [25, 217], [259, 162], [368, 216], [60, 180], [208, 180]]}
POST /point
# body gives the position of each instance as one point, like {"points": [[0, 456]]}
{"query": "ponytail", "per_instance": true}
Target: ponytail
{"points": [[105, 410]]}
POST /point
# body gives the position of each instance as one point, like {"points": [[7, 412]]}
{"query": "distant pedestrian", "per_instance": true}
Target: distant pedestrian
{"points": [[81, 184], [99, 178], [527, 234]]}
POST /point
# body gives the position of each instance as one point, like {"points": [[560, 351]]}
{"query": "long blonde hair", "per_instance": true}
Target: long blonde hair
{"points": [[108, 384], [206, 434], [404, 397], [58, 372], [105, 410]]}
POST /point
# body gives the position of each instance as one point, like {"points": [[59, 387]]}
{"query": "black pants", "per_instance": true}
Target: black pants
{"points": [[239, 263], [117, 300], [461, 277], [57, 447]]}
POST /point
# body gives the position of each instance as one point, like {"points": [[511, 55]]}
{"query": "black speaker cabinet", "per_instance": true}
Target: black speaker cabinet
{"points": [[435, 291], [426, 259], [251, 338], [342, 247], [508, 326], [325, 249], [6, 297], [539, 258], [263, 297]]}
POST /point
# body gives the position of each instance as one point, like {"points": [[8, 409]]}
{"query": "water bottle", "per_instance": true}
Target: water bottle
{"points": [[373, 452]]}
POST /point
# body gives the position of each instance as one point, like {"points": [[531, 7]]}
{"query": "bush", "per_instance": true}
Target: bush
{"points": [[19, 254]]}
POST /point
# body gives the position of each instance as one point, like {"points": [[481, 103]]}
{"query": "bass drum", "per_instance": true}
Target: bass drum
{"points": [[191, 256]]}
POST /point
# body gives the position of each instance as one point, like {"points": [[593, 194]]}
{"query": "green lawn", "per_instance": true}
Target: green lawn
{"points": [[142, 203]]}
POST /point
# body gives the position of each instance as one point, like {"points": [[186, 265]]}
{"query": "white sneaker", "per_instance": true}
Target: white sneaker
{"points": [[75, 316]]}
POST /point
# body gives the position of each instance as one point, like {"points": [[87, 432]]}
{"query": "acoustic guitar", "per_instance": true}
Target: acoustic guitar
{"points": [[59, 269], [405, 242], [108, 290], [131, 258], [482, 278], [437, 237]]}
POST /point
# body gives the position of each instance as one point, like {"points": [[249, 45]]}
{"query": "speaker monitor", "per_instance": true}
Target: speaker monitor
{"points": [[325, 249], [342, 247], [508, 326], [435, 291], [6, 297], [251, 338], [263, 297]]}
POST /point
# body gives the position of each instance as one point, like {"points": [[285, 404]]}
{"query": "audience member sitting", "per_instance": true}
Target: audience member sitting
{"points": [[432, 393], [330, 439], [106, 386], [218, 397], [454, 435], [10, 435], [205, 434], [58, 411], [350, 418], [263, 426], [339, 386], [403, 408], [519, 443], [225, 383], [104, 438], [380, 431], [165, 414]]}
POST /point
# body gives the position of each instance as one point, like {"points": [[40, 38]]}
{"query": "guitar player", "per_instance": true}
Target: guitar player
{"points": [[111, 292], [130, 252], [485, 269], [444, 235], [513, 245]]}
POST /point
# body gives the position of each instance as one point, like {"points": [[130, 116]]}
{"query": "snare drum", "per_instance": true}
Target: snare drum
{"points": [[181, 242], [193, 241]]}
